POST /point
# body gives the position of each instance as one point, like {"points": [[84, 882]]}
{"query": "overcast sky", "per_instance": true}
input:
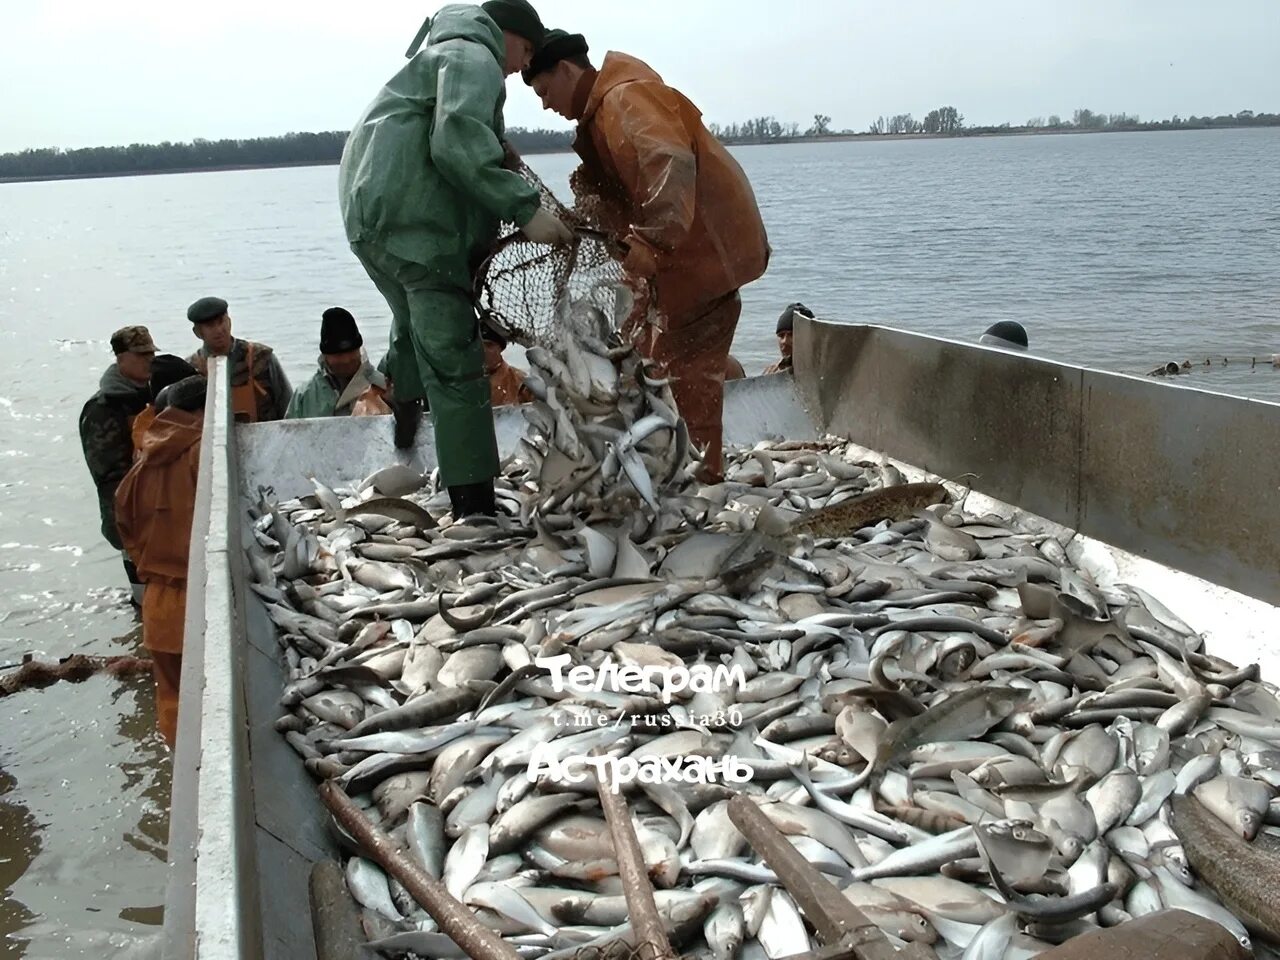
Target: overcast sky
{"points": [[88, 72]]}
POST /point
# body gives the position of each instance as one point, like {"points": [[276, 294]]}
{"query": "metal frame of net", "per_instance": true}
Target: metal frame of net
{"points": [[522, 286]]}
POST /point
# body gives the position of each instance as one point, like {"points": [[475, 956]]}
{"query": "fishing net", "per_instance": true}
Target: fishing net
{"points": [[620, 950], [521, 286]]}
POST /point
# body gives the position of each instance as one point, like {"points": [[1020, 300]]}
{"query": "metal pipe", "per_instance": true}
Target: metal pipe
{"points": [[455, 919]]}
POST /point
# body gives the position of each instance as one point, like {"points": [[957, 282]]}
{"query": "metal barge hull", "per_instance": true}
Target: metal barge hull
{"points": [[1176, 486]]}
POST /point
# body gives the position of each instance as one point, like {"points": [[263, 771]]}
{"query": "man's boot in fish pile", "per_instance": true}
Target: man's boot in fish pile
{"points": [[408, 414], [474, 502]]}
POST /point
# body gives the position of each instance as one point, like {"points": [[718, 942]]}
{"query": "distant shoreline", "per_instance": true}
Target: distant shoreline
{"points": [[776, 141]]}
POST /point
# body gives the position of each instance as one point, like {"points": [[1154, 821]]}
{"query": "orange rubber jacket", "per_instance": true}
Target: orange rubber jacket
{"points": [[682, 194], [138, 428], [156, 499], [506, 386]]}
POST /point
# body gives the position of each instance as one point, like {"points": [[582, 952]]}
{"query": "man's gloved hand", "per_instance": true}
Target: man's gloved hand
{"points": [[580, 185], [635, 327], [510, 159], [641, 262], [546, 228]]}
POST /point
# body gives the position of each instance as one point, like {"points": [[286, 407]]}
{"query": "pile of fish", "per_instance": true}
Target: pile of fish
{"points": [[604, 435], [988, 746]]}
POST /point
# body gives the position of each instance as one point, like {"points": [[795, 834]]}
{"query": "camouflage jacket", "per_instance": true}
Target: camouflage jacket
{"points": [[105, 437]]}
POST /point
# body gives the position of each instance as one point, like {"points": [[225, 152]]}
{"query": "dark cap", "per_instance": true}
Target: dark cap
{"points": [[492, 336], [1005, 333], [167, 369], [132, 340], [186, 394], [786, 319], [557, 45], [338, 332], [206, 309], [518, 16]]}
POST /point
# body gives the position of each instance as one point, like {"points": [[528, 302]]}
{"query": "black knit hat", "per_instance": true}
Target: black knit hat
{"points": [[167, 369], [187, 394], [787, 319], [1005, 333], [518, 16], [492, 336], [338, 332], [556, 46]]}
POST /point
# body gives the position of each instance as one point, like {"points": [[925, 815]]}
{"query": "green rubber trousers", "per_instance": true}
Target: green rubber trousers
{"points": [[436, 353]]}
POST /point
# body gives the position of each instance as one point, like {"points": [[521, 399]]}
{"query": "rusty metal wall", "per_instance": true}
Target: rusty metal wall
{"points": [[1183, 477]]}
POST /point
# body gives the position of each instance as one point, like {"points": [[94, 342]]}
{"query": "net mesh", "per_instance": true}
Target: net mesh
{"points": [[521, 284]]}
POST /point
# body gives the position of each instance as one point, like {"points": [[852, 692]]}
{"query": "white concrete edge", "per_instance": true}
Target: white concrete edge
{"points": [[1235, 626]]}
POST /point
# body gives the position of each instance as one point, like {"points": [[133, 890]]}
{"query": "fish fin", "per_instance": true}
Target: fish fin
{"points": [[1011, 896]]}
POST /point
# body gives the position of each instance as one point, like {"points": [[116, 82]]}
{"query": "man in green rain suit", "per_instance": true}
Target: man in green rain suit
{"points": [[423, 188]]}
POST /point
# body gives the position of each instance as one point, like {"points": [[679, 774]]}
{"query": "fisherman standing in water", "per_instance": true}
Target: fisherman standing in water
{"points": [[259, 388], [423, 189], [1006, 334], [155, 506], [506, 383], [165, 369], [785, 330], [106, 422], [658, 179], [345, 383]]}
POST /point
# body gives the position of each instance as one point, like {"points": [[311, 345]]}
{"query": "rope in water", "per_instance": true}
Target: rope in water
{"points": [[33, 674], [1186, 366]]}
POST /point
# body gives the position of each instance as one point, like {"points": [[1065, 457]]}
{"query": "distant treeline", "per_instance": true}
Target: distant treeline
{"points": [[321, 148], [290, 149], [1088, 120], [949, 122]]}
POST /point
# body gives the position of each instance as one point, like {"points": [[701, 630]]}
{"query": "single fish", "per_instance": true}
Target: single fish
{"points": [[368, 885], [890, 503]]}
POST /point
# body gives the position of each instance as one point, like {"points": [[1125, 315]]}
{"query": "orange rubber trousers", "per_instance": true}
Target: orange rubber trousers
{"points": [[164, 614], [694, 349]]}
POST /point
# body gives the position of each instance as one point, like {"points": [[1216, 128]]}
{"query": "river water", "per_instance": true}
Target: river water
{"points": [[1119, 251]]}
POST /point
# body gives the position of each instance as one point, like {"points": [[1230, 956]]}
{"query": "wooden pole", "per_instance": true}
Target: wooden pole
{"points": [[651, 937], [838, 923], [454, 918]]}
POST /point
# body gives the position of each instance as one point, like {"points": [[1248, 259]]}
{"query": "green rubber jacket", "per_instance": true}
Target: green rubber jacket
{"points": [[421, 174], [321, 397]]}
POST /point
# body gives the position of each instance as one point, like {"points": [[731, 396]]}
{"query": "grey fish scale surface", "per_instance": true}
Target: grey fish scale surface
{"points": [[864, 654]]}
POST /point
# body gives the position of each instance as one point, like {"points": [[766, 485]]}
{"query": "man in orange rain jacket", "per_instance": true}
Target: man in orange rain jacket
{"points": [[654, 175], [165, 369], [506, 383], [154, 504]]}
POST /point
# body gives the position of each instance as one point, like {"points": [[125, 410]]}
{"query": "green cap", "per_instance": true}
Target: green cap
{"points": [[206, 309], [557, 45], [518, 16]]}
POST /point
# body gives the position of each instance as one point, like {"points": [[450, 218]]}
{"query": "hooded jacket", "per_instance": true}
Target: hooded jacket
{"points": [[105, 422], [421, 174], [682, 194], [155, 501], [322, 398]]}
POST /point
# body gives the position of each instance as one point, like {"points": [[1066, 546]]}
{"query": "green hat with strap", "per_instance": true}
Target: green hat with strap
{"points": [[518, 16], [557, 45]]}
